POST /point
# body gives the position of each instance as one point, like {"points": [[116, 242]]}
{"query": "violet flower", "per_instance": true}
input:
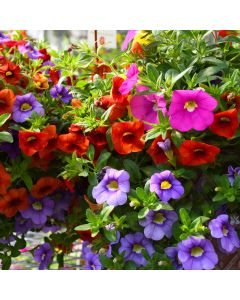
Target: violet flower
{"points": [[12, 149], [197, 254], [24, 106], [113, 188], [132, 245], [91, 259], [30, 51], [158, 224], [166, 186], [43, 255], [61, 92], [172, 253], [232, 173], [221, 229]]}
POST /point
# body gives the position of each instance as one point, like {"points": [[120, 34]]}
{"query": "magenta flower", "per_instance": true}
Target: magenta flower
{"points": [[145, 107], [132, 77], [191, 110], [129, 37]]}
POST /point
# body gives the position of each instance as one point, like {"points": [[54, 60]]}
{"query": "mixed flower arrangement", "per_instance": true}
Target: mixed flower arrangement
{"points": [[135, 155]]}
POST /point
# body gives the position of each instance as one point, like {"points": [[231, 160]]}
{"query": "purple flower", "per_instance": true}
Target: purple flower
{"points": [[22, 225], [92, 261], [128, 38], [30, 51], [24, 106], [43, 255], [221, 229], [109, 252], [132, 77], [197, 254], [191, 109], [4, 38], [133, 244], [61, 204], [166, 186], [61, 92], [38, 210], [158, 224], [172, 253], [165, 145], [113, 188], [12, 149], [232, 173], [145, 108]]}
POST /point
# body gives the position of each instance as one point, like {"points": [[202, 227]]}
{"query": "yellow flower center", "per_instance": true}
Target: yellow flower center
{"points": [[190, 106], [225, 120], [165, 185], [9, 73], [38, 83], [225, 231], [25, 106], [113, 185], [159, 218], [31, 138], [196, 251], [37, 205], [137, 248]]}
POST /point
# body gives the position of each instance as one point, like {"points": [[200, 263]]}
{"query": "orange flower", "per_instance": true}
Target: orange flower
{"points": [[71, 142], [52, 141], [10, 72], [54, 75], [7, 99], [5, 180], [127, 137], [116, 95], [43, 161], [193, 153], [45, 186], [32, 142], [76, 102], [14, 201], [225, 123], [137, 49], [156, 152], [41, 81]]}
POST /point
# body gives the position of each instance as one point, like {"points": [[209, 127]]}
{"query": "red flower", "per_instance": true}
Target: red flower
{"points": [[13, 201], [5, 180], [231, 99], [116, 95], [10, 72], [7, 99], [43, 161], [45, 186], [41, 82], [156, 152], [54, 75], [193, 153], [76, 102], [32, 142], [224, 33], [97, 137], [45, 56], [137, 49], [225, 123], [71, 142], [127, 137], [52, 141]]}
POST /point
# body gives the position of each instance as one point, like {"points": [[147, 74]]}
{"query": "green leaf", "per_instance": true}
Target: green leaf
{"points": [[6, 262], [161, 205], [204, 75], [91, 217], [92, 179], [142, 195], [132, 168], [198, 222], [6, 137], [83, 227], [27, 180], [106, 262], [111, 235], [4, 118], [184, 216], [152, 72], [218, 197], [143, 212], [130, 265], [91, 152], [180, 75], [102, 160], [106, 212]]}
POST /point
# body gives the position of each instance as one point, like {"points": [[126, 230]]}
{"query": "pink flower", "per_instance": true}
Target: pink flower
{"points": [[129, 37], [145, 107], [191, 110], [132, 77]]}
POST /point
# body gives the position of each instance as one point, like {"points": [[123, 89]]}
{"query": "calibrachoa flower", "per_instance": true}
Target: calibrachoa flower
{"points": [[61, 92], [156, 152], [14, 201], [192, 153], [7, 99], [225, 123], [132, 77], [232, 173], [45, 186], [133, 244], [166, 186], [31, 142], [39, 210], [22, 225], [10, 72], [30, 51], [115, 92], [223, 230], [191, 110], [113, 188], [92, 261], [172, 253], [197, 254], [71, 142], [41, 81], [24, 106], [146, 107], [12, 149], [43, 255], [127, 137], [129, 37], [158, 224]]}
